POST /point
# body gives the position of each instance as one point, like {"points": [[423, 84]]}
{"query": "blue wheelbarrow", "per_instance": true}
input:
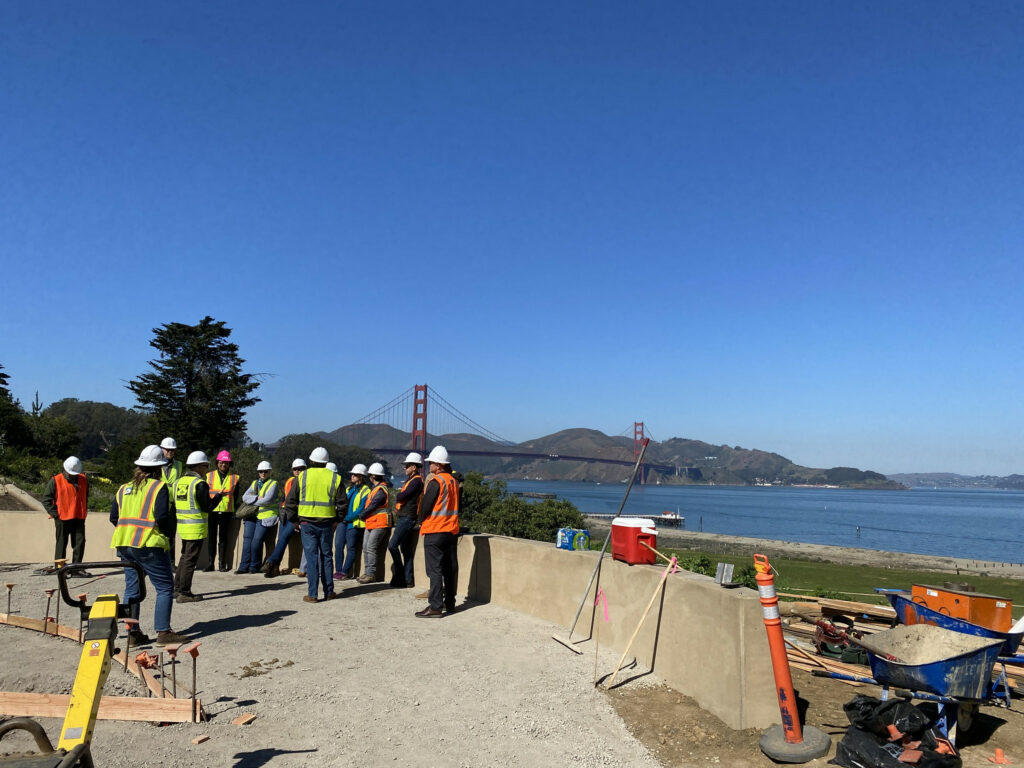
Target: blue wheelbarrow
{"points": [[931, 663]]}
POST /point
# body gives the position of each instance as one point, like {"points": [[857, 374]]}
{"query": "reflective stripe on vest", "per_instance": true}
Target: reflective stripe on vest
{"points": [[444, 517], [378, 519], [318, 487], [267, 510], [226, 504], [71, 500], [136, 525], [192, 523]]}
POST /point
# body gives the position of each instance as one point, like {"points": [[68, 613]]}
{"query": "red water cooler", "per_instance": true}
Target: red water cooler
{"points": [[627, 535]]}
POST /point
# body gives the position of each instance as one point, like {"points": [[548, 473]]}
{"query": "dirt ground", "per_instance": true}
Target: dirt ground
{"points": [[361, 682]]}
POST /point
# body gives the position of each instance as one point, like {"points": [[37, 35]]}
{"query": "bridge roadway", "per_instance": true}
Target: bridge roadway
{"points": [[664, 468]]}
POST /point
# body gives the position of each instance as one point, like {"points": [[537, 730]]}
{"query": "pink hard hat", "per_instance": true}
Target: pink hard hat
{"points": [[223, 456]]}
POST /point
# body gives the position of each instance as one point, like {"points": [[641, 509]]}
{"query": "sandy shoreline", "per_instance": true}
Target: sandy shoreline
{"points": [[714, 542]]}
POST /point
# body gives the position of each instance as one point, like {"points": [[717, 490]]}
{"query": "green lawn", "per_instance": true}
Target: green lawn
{"points": [[856, 582]]}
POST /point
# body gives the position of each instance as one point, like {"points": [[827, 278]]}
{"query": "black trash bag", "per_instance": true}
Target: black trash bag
{"points": [[866, 743]]}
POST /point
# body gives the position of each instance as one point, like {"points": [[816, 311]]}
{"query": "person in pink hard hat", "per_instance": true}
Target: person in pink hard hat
{"points": [[224, 490]]}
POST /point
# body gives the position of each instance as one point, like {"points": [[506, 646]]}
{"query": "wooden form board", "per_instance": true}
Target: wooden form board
{"points": [[111, 707]]}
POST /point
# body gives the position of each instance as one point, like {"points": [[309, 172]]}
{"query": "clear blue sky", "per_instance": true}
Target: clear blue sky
{"points": [[790, 226]]}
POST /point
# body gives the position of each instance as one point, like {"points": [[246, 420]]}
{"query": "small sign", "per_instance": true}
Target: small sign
{"points": [[723, 573]]}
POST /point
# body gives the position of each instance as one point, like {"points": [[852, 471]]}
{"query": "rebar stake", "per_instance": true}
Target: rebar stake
{"points": [[46, 616]]}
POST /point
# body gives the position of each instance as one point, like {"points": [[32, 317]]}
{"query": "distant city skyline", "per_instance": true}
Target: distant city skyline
{"points": [[794, 228]]}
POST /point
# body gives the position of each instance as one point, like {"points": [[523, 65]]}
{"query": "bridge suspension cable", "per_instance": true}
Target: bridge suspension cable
{"points": [[460, 416]]}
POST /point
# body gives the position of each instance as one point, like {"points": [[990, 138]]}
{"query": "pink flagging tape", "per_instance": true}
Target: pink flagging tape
{"points": [[602, 598]]}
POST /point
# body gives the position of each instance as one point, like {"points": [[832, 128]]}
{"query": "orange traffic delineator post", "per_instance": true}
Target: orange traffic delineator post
{"points": [[786, 743]]}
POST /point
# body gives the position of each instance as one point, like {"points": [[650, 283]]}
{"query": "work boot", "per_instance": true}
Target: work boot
{"points": [[429, 613], [271, 572], [188, 597], [365, 579], [308, 599], [300, 574], [267, 567], [170, 638], [423, 595], [224, 567], [138, 637], [332, 596]]}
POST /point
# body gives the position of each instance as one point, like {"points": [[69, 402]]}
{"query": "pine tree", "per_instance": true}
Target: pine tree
{"points": [[196, 391]]}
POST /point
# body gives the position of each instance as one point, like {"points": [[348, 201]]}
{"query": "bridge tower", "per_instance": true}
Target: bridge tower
{"points": [[419, 418], [638, 444]]}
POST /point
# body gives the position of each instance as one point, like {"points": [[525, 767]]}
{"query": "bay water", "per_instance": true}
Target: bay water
{"points": [[975, 524]]}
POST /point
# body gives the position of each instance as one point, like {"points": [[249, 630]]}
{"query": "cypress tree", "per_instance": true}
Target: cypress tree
{"points": [[196, 391]]}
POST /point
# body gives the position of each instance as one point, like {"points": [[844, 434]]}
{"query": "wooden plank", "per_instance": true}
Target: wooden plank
{"points": [[200, 739], [848, 606], [111, 707], [245, 719]]}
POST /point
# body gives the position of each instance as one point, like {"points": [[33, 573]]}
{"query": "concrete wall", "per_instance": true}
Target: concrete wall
{"points": [[705, 641]]}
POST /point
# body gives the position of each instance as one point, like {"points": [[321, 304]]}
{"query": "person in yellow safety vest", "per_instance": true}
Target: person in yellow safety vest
{"points": [[263, 495], [171, 472], [348, 543], [286, 530], [317, 502], [406, 536], [143, 528], [439, 527], [223, 482], [378, 522], [66, 500], [192, 505]]}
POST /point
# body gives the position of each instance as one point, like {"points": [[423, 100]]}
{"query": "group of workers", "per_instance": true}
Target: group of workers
{"points": [[335, 521]]}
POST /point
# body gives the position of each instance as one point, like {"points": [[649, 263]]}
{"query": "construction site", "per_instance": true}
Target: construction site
{"points": [[660, 667]]}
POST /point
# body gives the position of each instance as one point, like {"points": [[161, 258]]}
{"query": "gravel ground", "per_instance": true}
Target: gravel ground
{"points": [[354, 682]]}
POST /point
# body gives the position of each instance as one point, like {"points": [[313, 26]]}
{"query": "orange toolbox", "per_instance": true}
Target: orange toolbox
{"points": [[984, 610]]}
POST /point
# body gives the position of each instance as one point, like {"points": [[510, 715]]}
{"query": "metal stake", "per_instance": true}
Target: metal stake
{"points": [[46, 617], [10, 588], [163, 690]]}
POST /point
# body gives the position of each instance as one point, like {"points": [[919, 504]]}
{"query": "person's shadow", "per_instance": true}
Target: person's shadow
{"points": [[260, 757], [234, 623]]}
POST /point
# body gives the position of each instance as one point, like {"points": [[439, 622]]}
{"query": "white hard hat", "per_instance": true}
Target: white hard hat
{"points": [[151, 456], [413, 458], [358, 469], [73, 465], [376, 469], [263, 466], [320, 456], [299, 464], [169, 444], [439, 455], [332, 466], [196, 457]]}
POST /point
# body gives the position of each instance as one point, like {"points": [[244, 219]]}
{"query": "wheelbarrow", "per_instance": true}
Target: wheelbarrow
{"points": [[934, 664]]}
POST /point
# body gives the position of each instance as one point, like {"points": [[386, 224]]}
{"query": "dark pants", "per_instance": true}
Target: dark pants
{"points": [[190, 549], [441, 559], [403, 549], [74, 530], [353, 547], [220, 525], [316, 543]]}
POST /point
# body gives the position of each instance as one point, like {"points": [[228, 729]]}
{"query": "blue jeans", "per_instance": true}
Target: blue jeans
{"points": [[403, 548], [252, 546], [316, 543], [284, 534], [157, 565], [353, 546]]}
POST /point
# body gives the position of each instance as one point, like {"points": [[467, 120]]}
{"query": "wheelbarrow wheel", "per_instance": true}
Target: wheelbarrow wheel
{"points": [[965, 716]]}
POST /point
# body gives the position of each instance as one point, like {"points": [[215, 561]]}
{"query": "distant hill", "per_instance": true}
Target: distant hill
{"points": [[705, 463], [952, 480]]}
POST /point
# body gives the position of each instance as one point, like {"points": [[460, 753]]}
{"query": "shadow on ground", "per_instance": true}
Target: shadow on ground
{"points": [[234, 623]]}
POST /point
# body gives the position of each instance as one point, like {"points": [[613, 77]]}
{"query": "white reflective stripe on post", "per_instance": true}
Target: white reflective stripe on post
{"points": [[766, 590], [770, 611]]}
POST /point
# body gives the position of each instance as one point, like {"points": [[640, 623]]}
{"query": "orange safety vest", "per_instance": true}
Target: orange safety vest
{"points": [[378, 519], [287, 487], [444, 517], [227, 502], [399, 505], [71, 501]]}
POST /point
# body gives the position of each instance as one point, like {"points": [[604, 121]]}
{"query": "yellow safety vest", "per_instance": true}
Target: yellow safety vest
{"points": [[318, 487], [192, 525], [268, 510], [172, 473], [136, 525], [227, 503], [354, 501]]}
